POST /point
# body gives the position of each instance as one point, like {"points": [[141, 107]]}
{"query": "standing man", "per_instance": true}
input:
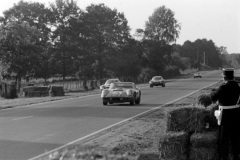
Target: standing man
{"points": [[227, 96]]}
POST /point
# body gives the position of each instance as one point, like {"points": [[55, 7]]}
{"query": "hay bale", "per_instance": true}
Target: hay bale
{"points": [[189, 119], [56, 91], [173, 145], [36, 91], [204, 100], [203, 146], [35, 88]]}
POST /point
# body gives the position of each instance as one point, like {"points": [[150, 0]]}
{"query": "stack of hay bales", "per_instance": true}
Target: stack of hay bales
{"points": [[43, 91], [56, 91], [191, 119], [36, 91], [190, 131]]}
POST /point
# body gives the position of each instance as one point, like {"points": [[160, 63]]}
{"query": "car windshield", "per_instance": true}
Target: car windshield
{"points": [[157, 78], [111, 81], [121, 85]]}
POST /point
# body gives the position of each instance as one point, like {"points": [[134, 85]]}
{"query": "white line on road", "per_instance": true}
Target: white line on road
{"points": [[16, 119]]}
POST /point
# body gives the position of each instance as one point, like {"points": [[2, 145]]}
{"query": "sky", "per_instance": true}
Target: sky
{"points": [[216, 20]]}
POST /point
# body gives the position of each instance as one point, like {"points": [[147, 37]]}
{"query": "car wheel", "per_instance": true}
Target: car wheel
{"points": [[137, 101], [151, 86], [163, 85], [105, 103]]}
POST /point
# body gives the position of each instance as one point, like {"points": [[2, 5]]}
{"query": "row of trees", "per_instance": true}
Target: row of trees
{"points": [[64, 40]]}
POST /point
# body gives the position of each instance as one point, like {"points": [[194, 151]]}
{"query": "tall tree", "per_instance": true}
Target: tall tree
{"points": [[63, 13], [18, 48], [106, 31], [161, 30], [35, 13], [162, 26], [39, 16]]}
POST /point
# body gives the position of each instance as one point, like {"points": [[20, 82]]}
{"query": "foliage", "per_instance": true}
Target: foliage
{"points": [[95, 43], [162, 26], [64, 15], [19, 47], [106, 32], [231, 60], [204, 100], [201, 52], [37, 16]]}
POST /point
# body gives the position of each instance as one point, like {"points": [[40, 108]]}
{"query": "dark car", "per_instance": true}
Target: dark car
{"points": [[157, 81]]}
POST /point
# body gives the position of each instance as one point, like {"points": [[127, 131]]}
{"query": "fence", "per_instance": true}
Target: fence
{"points": [[80, 85]]}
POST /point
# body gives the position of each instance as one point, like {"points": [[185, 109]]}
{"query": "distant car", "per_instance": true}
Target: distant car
{"points": [[197, 75], [108, 82], [121, 92], [157, 81]]}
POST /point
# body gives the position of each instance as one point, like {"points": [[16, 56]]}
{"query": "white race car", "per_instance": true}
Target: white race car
{"points": [[197, 75], [120, 92]]}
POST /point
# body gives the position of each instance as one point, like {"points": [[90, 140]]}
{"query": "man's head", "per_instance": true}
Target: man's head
{"points": [[228, 73]]}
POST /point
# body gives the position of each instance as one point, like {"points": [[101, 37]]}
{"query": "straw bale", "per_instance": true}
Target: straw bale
{"points": [[56, 91], [173, 146], [189, 119], [203, 146], [36, 91]]}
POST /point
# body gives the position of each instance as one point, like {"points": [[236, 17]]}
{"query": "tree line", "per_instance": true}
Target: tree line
{"points": [[63, 40]]}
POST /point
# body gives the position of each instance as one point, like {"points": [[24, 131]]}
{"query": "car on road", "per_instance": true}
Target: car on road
{"points": [[197, 75], [108, 82], [157, 81], [121, 92]]}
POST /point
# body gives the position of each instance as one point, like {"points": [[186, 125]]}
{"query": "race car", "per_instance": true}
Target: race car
{"points": [[197, 75], [108, 82], [121, 92], [157, 81]]}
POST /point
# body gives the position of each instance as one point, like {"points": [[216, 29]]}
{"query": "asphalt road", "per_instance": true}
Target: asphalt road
{"points": [[29, 131]]}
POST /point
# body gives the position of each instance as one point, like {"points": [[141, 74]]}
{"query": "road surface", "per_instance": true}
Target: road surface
{"points": [[29, 131]]}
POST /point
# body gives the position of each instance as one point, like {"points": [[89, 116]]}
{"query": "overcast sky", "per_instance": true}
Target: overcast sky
{"points": [[216, 20]]}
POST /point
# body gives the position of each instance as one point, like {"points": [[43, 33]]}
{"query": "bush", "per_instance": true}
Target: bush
{"points": [[8, 90], [204, 100]]}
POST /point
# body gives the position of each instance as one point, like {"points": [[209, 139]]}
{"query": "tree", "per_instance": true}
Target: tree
{"points": [[162, 26], [64, 12], [37, 15], [127, 62], [161, 30], [18, 48], [106, 31]]}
